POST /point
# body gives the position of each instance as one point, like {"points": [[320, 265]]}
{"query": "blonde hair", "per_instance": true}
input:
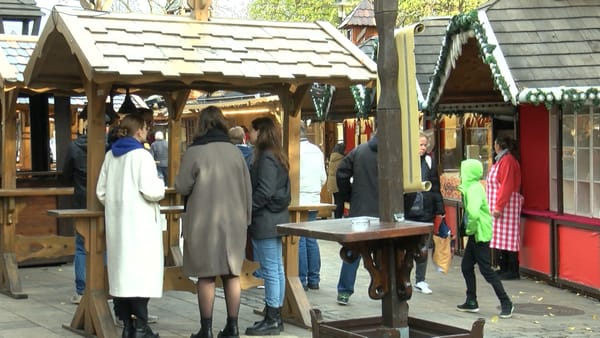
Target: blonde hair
{"points": [[236, 134]]}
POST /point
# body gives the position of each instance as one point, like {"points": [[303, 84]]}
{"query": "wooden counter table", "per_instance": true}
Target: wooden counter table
{"points": [[11, 201], [93, 317], [387, 250]]}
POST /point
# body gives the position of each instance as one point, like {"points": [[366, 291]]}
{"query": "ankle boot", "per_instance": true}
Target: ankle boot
{"points": [[264, 311], [142, 330], [128, 329], [230, 330], [268, 326], [205, 329]]}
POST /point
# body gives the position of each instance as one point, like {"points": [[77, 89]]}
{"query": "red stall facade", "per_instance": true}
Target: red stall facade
{"points": [[512, 72]]}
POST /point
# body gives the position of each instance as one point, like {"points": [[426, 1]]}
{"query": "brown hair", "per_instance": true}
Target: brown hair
{"points": [[129, 125], [269, 138], [211, 118], [507, 142]]}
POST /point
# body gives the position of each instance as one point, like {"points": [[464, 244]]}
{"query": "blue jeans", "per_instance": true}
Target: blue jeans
{"points": [[309, 257], [79, 264], [348, 276], [268, 253]]}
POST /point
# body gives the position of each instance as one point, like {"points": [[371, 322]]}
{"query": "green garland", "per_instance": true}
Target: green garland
{"points": [[569, 96], [461, 23]]}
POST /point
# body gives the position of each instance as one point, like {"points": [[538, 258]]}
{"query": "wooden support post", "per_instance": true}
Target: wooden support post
{"points": [[93, 317], [389, 121], [10, 284]]}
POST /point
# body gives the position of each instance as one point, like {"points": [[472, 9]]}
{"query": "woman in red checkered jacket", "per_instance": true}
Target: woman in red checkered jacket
{"points": [[506, 201]]}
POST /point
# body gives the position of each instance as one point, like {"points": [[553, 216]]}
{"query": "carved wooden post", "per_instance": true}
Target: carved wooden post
{"points": [[391, 199]]}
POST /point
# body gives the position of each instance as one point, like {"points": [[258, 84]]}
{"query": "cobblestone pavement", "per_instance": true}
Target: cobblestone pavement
{"points": [[541, 310]]}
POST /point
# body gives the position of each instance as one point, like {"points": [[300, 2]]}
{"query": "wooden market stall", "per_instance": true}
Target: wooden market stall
{"points": [[28, 187], [81, 50], [530, 70]]}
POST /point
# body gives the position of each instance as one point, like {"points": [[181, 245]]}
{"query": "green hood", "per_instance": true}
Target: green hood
{"points": [[479, 220], [470, 172]]}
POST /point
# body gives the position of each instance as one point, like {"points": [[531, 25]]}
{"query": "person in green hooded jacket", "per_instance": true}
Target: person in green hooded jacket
{"points": [[477, 223]]}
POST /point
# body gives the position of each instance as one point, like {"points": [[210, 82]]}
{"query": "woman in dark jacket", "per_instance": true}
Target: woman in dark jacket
{"points": [[270, 200]]}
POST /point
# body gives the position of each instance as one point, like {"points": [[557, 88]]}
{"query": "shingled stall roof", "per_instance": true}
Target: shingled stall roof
{"points": [[427, 49], [15, 51], [19, 9], [362, 15], [511, 46], [172, 52]]}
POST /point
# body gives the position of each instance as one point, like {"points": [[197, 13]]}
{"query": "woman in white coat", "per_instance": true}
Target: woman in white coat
{"points": [[129, 188]]}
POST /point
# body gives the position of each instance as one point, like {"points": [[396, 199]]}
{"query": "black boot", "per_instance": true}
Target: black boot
{"points": [[128, 329], [142, 330], [264, 311], [230, 330], [512, 268], [205, 329], [268, 326]]}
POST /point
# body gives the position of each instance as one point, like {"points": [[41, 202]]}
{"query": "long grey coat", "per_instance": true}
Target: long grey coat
{"points": [[216, 181]]}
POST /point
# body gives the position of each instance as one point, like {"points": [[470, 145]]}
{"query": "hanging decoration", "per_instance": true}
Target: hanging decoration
{"points": [[127, 107], [363, 100], [322, 95]]}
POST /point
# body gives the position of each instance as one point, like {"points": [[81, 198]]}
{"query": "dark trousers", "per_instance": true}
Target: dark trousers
{"points": [[479, 253], [339, 205], [125, 307]]}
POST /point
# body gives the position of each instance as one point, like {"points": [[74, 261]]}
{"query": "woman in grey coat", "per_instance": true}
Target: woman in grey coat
{"points": [[215, 182]]}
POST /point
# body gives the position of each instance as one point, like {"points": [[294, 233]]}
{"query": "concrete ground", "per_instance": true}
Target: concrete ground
{"points": [[540, 310]]}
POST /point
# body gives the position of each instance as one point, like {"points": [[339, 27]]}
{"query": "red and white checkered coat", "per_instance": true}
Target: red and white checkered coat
{"points": [[503, 186]]}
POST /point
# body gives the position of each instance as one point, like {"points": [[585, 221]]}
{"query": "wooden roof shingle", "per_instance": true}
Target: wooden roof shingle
{"points": [[565, 35], [170, 52], [15, 51]]}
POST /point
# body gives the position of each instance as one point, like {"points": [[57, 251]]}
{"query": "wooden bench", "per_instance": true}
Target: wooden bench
{"points": [[12, 201]]}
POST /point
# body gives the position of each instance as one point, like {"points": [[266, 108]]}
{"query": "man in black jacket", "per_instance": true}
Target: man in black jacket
{"points": [[363, 194]]}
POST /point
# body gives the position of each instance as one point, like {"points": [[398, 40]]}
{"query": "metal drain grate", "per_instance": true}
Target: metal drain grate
{"points": [[546, 310]]}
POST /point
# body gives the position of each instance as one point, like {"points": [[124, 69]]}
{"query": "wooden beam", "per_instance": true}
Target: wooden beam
{"points": [[291, 138], [201, 9], [96, 95], [175, 103], [9, 139]]}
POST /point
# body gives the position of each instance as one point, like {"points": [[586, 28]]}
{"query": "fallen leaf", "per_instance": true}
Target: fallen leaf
{"points": [[536, 321], [540, 299], [494, 319], [595, 317], [571, 328]]}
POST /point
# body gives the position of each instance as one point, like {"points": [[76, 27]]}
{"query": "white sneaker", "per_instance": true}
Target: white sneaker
{"points": [[423, 287], [76, 299]]}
